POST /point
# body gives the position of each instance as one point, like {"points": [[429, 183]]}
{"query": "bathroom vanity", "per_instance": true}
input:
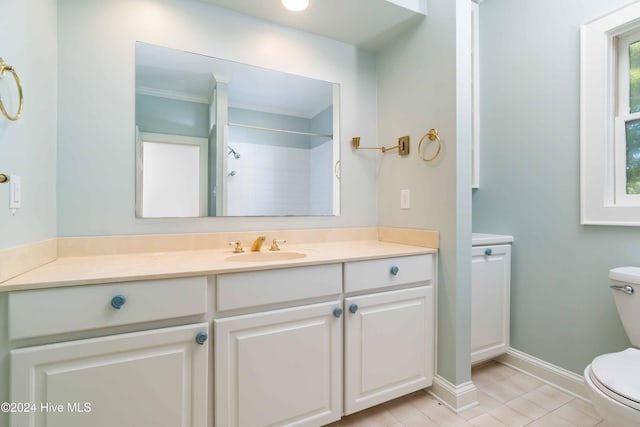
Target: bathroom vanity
{"points": [[214, 342]]}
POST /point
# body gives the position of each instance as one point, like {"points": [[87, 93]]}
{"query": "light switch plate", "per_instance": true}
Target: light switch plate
{"points": [[405, 199], [15, 192]]}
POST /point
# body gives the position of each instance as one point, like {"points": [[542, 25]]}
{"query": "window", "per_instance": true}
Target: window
{"points": [[627, 122], [610, 119]]}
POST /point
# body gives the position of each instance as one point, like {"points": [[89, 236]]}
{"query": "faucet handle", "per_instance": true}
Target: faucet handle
{"points": [[274, 244], [238, 247]]}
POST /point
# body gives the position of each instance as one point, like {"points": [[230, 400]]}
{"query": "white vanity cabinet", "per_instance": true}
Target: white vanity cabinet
{"points": [[279, 354], [389, 335], [148, 377], [152, 378], [490, 299], [279, 366]]}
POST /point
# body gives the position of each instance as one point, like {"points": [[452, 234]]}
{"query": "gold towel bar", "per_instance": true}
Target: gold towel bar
{"points": [[402, 147], [3, 70]]}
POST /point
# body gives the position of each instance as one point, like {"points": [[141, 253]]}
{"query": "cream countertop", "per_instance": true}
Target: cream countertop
{"points": [[73, 271], [478, 239]]}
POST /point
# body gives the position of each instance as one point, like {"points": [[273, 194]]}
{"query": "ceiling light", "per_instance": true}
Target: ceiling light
{"points": [[295, 5]]}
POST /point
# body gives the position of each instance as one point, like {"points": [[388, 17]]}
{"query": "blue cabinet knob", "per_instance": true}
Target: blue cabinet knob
{"points": [[337, 312], [353, 308], [118, 301], [488, 252], [394, 270], [201, 338]]}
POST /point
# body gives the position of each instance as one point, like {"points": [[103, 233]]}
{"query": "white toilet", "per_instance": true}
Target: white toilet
{"points": [[613, 380]]}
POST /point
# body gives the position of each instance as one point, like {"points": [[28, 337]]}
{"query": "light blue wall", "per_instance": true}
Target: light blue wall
{"points": [[424, 82], [322, 166], [321, 123], [28, 146], [97, 112], [561, 308], [170, 116]]}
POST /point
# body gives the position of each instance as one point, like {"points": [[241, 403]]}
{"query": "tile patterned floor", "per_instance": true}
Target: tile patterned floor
{"points": [[506, 398]]}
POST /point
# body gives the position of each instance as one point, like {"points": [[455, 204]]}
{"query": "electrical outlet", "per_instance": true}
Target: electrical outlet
{"points": [[405, 199]]}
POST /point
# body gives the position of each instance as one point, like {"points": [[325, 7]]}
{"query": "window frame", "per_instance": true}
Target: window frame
{"points": [[602, 130]]}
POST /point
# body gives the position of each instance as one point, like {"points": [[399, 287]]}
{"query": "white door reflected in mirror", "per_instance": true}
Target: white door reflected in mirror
{"points": [[174, 176]]}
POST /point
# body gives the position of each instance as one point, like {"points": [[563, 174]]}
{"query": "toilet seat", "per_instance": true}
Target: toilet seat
{"points": [[618, 376]]}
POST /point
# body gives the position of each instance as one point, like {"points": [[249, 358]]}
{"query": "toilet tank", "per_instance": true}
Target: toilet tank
{"points": [[627, 279]]}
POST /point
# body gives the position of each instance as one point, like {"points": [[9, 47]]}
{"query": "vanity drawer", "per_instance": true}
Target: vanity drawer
{"points": [[258, 288], [79, 308], [387, 272]]}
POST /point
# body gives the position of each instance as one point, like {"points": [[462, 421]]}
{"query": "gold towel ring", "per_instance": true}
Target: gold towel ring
{"points": [[433, 136], [336, 169], [3, 69]]}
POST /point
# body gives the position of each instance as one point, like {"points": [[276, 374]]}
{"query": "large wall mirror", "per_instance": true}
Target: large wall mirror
{"points": [[220, 138]]}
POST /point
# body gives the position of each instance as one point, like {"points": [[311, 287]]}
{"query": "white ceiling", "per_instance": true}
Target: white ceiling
{"points": [[368, 24]]}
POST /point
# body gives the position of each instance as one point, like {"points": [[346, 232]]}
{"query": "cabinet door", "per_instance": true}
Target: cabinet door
{"points": [[281, 367], [151, 378], [389, 348], [490, 301]]}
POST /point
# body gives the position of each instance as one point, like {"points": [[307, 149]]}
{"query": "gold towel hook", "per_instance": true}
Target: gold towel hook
{"points": [[3, 70], [432, 135]]}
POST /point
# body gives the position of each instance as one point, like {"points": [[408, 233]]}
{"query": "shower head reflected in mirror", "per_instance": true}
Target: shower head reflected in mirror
{"points": [[236, 155]]}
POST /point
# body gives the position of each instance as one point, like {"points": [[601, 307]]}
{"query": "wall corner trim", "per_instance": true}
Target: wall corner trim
{"points": [[546, 372], [458, 398]]}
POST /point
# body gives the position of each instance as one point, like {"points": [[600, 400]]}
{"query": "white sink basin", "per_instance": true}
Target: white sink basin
{"points": [[265, 256]]}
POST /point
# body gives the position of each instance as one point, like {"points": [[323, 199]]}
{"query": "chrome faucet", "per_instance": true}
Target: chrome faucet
{"points": [[257, 244]]}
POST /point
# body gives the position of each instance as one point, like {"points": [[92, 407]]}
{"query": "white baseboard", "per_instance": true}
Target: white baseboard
{"points": [[553, 375], [456, 397]]}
